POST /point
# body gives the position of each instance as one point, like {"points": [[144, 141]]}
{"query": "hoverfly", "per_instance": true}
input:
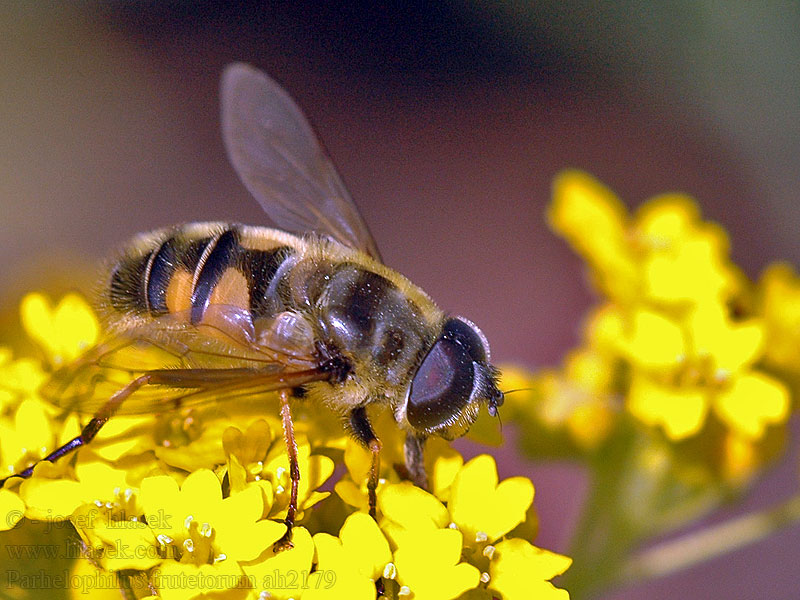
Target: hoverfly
{"points": [[308, 308]]}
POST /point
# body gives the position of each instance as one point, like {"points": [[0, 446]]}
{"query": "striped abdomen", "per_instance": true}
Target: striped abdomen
{"points": [[345, 303], [186, 269]]}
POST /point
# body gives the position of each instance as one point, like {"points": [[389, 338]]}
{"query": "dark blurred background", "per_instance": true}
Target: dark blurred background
{"points": [[448, 121]]}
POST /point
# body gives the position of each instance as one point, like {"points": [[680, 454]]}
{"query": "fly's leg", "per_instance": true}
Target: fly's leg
{"points": [[415, 460], [92, 427], [285, 543], [374, 472], [362, 430], [197, 380]]}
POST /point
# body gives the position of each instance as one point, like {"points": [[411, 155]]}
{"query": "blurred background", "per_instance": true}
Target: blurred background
{"points": [[448, 122]]}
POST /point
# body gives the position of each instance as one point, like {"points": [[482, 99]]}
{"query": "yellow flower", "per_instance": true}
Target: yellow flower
{"points": [[12, 509], [779, 304], [56, 498], [64, 331], [594, 221], [203, 536], [429, 537], [189, 505], [484, 510], [753, 402], [665, 256], [117, 544], [513, 557], [190, 439], [349, 566], [429, 565], [442, 463], [27, 438], [668, 320], [578, 398], [19, 379], [683, 260], [287, 574], [411, 507], [573, 409], [683, 369], [246, 452], [256, 457]]}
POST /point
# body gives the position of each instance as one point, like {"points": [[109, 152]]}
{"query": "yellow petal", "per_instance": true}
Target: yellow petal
{"points": [[128, 545], [76, 326], [430, 566], [365, 545], [358, 461], [51, 499], [740, 459], [99, 480], [520, 571], [36, 316], [605, 329], [442, 463], [33, 434], [753, 402], [252, 542], [731, 346], [590, 369], [177, 581], [203, 484], [594, 222], [780, 305], [692, 272], [237, 474], [667, 219], [284, 574], [411, 507], [12, 509], [246, 505], [681, 412], [483, 509], [590, 424], [336, 575], [121, 435], [582, 204], [654, 342], [86, 580], [160, 495], [64, 332], [351, 494], [22, 375]]}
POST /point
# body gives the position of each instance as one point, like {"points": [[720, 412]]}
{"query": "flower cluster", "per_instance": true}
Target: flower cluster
{"points": [[680, 391], [681, 341], [778, 302], [191, 503]]}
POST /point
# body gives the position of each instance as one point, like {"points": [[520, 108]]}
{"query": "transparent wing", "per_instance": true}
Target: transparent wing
{"points": [[279, 159], [189, 366]]}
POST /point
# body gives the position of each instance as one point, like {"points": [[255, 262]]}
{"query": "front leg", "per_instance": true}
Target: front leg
{"points": [[414, 450], [285, 543], [363, 432]]}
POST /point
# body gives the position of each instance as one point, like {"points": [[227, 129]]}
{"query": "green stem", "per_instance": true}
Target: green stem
{"points": [[710, 542], [633, 498], [603, 537]]}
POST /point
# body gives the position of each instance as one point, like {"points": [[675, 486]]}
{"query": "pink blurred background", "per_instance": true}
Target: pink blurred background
{"points": [[448, 124]]}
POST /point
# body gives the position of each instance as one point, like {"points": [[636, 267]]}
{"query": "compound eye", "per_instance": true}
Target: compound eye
{"points": [[468, 334], [442, 386]]}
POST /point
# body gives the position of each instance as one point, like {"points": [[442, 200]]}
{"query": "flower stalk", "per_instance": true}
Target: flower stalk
{"points": [[709, 542]]}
